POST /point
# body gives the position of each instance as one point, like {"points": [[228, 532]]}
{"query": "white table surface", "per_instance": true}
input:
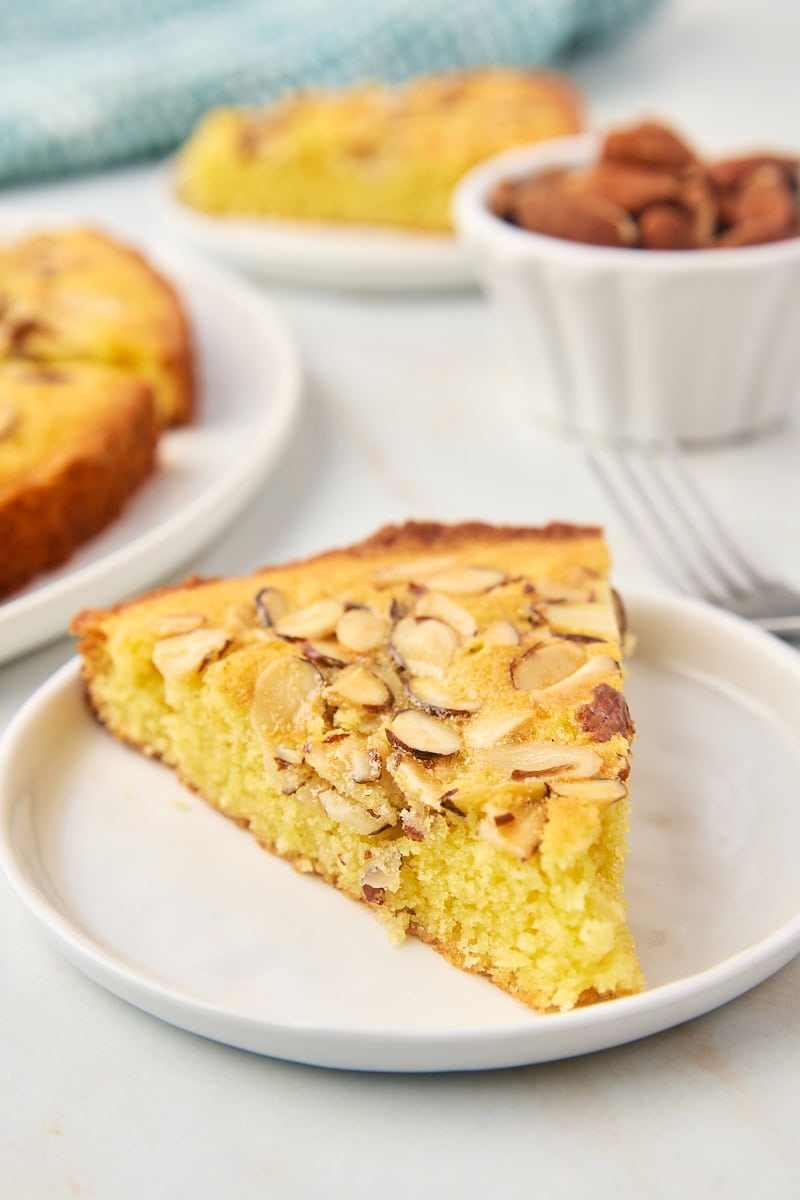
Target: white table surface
{"points": [[412, 409]]}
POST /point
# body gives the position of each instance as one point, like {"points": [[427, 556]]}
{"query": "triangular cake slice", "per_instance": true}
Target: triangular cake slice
{"points": [[432, 721]]}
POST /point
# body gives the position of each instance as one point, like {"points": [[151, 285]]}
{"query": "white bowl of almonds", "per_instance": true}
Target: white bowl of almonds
{"points": [[648, 292]]}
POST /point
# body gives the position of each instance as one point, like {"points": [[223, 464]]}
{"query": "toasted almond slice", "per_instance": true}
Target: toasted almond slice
{"points": [[361, 630], [185, 654], [562, 593], [271, 605], [465, 581], [492, 726], [436, 604], [288, 755], [424, 645], [283, 694], [316, 621], [518, 830], [325, 652], [596, 791], [416, 783], [544, 664], [435, 698], [357, 685], [594, 670], [240, 617], [170, 624], [543, 759], [592, 618], [500, 633], [352, 815], [422, 735], [9, 419], [367, 766], [413, 569]]}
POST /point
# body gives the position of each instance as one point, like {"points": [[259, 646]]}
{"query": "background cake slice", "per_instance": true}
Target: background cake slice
{"points": [[75, 442], [376, 153], [75, 295], [432, 720]]}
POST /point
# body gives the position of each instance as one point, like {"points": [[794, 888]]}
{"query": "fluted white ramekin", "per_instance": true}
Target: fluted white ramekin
{"points": [[703, 345]]}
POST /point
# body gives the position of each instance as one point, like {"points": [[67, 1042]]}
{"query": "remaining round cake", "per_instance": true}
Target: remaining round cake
{"points": [[373, 154], [75, 441], [76, 295], [432, 721]]}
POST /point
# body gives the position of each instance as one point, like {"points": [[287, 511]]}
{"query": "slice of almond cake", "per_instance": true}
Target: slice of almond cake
{"points": [[432, 721]]}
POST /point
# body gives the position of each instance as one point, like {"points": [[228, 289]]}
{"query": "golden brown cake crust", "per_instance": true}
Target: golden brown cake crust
{"points": [[50, 510], [410, 537]]}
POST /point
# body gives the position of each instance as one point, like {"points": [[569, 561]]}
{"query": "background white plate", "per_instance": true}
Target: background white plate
{"points": [[249, 397], [335, 256], [171, 906]]}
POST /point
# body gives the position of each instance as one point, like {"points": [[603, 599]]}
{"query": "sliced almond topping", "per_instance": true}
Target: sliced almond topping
{"points": [[424, 645], [416, 783], [597, 791], [594, 670], [283, 695], [592, 618], [357, 685], [367, 766], [270, 605], [436, 604], [562, 593], [415, 568], [384, 870], [492, 726], [239, 617], [9, 419], [464, 581], [316, 621], [361, 630], [517, 830], [170, 624], [422, 735], [324, 652], [543, 759], [436, 699], [500, 633], [545, 664], [185, 654], [606, 714], [287, 755], [352, 815]]}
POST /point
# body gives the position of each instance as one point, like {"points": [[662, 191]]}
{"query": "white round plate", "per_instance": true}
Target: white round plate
{"points": [[249, 397], [334, 256], [176, 909]]}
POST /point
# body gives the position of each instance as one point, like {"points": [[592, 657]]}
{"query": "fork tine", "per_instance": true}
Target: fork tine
{"points": [[642, 531], [725, 584], [711, 518]]}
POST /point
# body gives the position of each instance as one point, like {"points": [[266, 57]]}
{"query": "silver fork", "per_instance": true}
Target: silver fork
{"points": [[684, 537]]}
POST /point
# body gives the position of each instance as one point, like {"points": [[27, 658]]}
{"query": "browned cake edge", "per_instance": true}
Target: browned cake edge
{"points": [[45, 517], [410, 537]]}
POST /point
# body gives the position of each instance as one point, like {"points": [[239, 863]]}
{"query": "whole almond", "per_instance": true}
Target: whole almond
{"points": [[648, 143], [631, 186], [666, 227], [733, 172], [577, 218]]}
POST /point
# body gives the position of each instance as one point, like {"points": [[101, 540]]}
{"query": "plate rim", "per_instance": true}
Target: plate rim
{"points": [[341, 257], [40, 615], [536, 1038]]}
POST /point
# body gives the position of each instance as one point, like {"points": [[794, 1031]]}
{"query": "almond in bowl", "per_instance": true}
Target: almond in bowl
{"points": [[647, 289]]}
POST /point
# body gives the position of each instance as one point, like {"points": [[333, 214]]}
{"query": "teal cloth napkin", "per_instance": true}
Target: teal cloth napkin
{"points": [[90, 83]]}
